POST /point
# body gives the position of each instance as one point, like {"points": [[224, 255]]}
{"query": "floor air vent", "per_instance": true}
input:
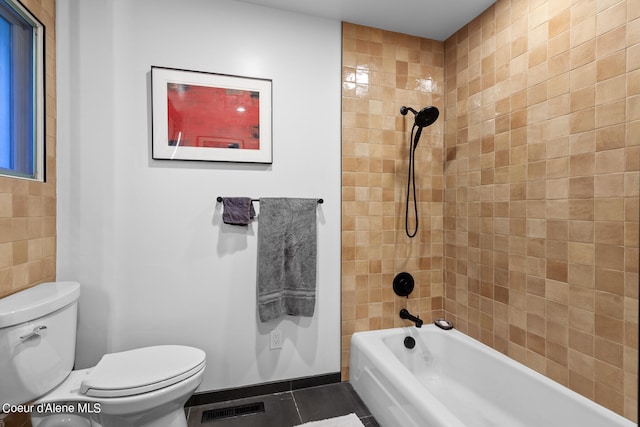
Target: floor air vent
{"points": [[232, 412]]}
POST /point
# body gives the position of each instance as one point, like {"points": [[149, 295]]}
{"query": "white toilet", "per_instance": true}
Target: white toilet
{"points": [[145, 387]]}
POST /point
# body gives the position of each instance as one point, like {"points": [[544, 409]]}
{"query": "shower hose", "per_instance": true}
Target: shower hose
{"points": [[411, 182]]}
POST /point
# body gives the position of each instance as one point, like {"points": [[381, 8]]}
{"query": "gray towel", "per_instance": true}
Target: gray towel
{"points": [[237, 210], [287, 247]]}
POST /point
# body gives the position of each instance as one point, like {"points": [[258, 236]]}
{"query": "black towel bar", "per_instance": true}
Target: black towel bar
{"points": [[220, 198]]}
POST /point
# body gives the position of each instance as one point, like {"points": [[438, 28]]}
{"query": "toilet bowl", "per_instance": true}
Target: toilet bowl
{"points": [[144, 387]]}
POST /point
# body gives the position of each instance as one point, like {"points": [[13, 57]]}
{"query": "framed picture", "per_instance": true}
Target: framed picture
{"points": [[210, 117]]}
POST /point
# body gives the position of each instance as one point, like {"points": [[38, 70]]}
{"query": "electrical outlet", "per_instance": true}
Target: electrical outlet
{"points": [[276, 339]]}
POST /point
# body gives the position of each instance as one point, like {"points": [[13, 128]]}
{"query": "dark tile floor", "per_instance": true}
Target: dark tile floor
{"points": [[290, 408]]}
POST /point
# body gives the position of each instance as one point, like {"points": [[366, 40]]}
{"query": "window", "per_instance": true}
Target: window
{"points": [[21, 92]]}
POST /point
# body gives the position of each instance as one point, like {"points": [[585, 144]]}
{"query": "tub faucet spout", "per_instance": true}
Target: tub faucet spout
{"points": [[404, 314]]}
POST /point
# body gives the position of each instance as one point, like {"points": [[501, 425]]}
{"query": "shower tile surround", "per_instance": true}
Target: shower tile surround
{"points": [[382, 71], [529, 205]]}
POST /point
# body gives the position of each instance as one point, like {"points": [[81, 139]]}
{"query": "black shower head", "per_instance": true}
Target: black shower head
{"points": [[425, 117]]}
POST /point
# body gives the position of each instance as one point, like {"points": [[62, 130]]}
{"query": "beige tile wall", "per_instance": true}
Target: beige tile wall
{"points": [[541, 202], [536, 190], [28, 209], [383, 71]]}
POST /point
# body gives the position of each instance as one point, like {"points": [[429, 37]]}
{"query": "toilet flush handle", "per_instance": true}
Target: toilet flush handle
{"points": [[35, 333]]}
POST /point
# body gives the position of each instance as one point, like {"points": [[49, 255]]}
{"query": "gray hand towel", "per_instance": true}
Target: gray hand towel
{"points": [[237, 210], [287, 249]]}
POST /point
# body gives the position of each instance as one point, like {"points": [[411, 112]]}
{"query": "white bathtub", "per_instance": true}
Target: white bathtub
{"points": [[451, 380]]}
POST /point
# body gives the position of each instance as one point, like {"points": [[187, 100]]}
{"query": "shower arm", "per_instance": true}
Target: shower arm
{"points": [[404, 110]]}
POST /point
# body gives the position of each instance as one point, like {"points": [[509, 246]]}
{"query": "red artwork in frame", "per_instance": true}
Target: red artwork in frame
{"points": [[202, 116], [210, 117]]}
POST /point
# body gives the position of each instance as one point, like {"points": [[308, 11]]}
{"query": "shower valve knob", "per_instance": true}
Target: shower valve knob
{"points": [[403, 284]]}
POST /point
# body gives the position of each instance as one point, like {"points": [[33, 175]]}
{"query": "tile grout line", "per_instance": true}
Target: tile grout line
{"points": [[295, 402]]}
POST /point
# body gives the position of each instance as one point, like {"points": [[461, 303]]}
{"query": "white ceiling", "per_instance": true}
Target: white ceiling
{"points": [[433, 19]]}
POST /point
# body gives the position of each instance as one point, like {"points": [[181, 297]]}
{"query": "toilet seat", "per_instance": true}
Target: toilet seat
{"points": [[142, 370]]}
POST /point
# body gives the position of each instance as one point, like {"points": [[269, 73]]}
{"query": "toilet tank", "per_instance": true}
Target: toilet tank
{"points": [[37, 340]]}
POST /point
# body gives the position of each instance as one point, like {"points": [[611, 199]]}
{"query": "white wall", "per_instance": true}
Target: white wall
{"points": [[145, 238]]}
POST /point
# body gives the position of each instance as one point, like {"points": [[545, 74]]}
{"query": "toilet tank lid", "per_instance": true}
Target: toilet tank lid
{"points": [[37, 301]]}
